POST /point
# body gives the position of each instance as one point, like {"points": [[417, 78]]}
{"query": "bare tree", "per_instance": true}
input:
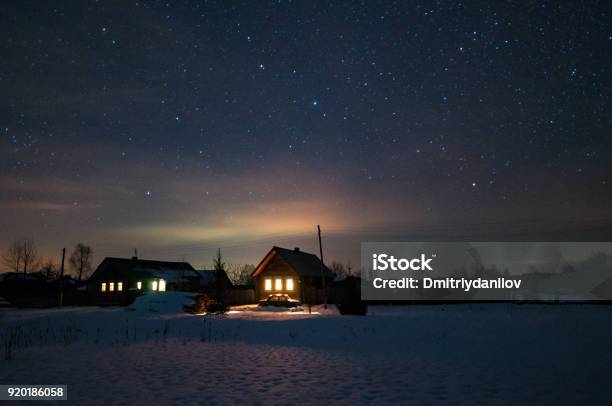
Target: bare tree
{"points": [[240, 274], [29, 255], [21, 255], [48, 269], [11, 258], [81, 259], [338, 269], [350, 271], [341, 270]]}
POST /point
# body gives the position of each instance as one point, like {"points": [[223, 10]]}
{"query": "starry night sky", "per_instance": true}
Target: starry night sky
{"points": [[178, 128]]}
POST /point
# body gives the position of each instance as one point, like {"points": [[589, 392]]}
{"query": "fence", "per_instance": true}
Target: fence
{"points": [[240, 296]]}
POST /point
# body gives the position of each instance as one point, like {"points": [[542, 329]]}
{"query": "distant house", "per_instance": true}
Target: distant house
{"points": [[291, 272], [34, 290], [208, 279], [120, 280]]}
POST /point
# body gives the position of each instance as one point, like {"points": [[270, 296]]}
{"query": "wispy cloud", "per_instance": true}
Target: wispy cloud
{"points": [[45, 206]]}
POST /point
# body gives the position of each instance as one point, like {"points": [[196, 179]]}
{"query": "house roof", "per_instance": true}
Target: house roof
{"points": [[206, 275], [147, 264], [164, 269], [304, 263]]}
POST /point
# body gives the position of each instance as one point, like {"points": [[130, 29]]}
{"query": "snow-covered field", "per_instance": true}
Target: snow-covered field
{"points": [[476, 353]]}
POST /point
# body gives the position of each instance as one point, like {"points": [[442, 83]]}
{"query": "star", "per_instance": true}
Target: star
{"points": [[426, 112]]}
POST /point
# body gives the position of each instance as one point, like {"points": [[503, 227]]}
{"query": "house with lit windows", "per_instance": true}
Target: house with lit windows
{"points": [[293, 272], [120, 280]]}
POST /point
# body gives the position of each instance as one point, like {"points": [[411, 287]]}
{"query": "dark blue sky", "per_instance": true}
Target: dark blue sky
{"points": [[179, 127]]}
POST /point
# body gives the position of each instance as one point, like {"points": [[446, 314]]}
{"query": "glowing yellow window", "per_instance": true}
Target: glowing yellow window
{"points": [[103, 287], [111, 286], [139, 285], [289, 283], [268, 284], [154, 285], [162, 285], [119, 286], [278, 284]]}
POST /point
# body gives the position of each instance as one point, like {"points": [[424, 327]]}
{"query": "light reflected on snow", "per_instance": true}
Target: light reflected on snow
{"points": [[280, 312]]}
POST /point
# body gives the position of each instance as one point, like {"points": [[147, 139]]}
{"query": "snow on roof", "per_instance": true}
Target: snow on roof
{"points": [[146, 264], [164, 269], [170, 274]]}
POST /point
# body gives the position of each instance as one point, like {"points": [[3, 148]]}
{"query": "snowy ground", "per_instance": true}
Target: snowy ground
{"points": [[450, 354]]}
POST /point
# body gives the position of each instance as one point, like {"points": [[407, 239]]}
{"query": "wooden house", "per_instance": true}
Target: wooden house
{"points": [[120, 280], [293, 272]]}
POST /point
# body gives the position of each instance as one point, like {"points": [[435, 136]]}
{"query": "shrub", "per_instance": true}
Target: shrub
{"points": [[199, 304], [203, 303], [216, 307]]}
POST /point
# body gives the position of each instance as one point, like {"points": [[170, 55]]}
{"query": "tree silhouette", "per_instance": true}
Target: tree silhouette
{"points": [[11, 258], [49, 270], [21, 255], [81, 259]]}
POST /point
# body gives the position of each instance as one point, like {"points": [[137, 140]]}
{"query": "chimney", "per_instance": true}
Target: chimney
{"points": [[135, 257], [296, 249]]}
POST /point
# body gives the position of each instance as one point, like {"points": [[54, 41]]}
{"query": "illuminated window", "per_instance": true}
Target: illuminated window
{"points": [[154, 285], [119, 286], [268, 284], [111, 286], [289, 283], [162, 285], [278, 284], [139, 285], [103, 287]]}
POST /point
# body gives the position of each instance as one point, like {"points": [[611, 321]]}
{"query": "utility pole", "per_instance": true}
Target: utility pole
{"points": [[61, 281], [322, 269]]}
